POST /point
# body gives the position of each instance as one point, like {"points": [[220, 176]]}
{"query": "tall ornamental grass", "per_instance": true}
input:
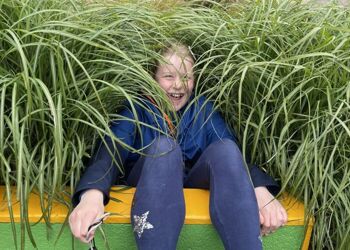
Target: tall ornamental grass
{"points": [[279, 71]]}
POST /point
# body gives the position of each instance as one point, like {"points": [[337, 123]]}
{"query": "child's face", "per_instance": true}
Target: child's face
{"points": [[175, 76]]}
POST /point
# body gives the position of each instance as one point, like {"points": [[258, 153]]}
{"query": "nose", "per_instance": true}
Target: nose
{"points": [[179, 83]]}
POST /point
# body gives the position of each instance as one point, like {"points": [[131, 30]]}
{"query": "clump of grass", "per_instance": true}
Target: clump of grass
{"points": [[278, 71], [64, 75]]}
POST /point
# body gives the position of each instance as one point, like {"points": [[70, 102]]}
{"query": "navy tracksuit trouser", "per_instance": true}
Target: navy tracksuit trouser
{"points": [[158, 209]]}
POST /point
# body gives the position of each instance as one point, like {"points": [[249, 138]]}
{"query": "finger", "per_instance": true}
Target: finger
{"points": [[92, 228], [284, 216], [75, 224], [265, 231], [266, 228], [261, 217], [89, 219], [94, 225], [274, 221], [90, 236], [267, 224]]}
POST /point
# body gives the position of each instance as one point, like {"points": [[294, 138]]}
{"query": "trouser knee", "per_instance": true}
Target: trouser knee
{"points": [[163, 145], [224, 156], [164, 158]]}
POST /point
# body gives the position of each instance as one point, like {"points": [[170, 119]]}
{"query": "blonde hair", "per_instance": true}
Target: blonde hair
{"points": [[172, 47], [175, 47]]}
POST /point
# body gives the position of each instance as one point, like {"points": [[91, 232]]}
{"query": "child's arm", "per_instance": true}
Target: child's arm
{"points": [[92, 191], [102, 171]]}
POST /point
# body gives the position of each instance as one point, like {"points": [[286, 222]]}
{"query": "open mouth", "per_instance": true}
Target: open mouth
{"points": [[176, 96]]}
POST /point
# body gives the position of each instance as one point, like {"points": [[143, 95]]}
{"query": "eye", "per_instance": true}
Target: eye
{"points": [[168, 76]]}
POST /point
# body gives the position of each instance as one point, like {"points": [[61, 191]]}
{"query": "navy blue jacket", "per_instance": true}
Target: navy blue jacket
{"points": [[198, 127]]}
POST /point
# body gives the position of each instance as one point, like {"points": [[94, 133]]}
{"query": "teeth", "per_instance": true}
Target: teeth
{"points": [[176, 95]]}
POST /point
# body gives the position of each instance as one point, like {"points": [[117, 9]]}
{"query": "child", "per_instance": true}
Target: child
{"points": [[201, 153]]}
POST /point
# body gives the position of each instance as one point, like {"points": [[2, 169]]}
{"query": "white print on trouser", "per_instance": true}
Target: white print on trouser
{"points": [[141, 223]]}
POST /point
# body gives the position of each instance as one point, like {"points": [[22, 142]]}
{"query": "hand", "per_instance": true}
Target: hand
{"points": [[88, 211], [272, 213]]}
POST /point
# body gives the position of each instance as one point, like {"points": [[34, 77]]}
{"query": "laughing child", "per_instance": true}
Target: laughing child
{"points": [[198, 152]]}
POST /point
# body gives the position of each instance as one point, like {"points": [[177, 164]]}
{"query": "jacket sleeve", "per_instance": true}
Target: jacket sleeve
{"points": [[102, 171], [218, 130]]}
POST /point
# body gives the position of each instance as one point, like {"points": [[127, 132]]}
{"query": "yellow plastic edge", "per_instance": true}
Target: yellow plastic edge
{"points": [[197, 209]]}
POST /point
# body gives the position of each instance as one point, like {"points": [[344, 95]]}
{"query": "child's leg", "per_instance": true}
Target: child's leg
{"points": [[158, 210], [233, 206]]}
